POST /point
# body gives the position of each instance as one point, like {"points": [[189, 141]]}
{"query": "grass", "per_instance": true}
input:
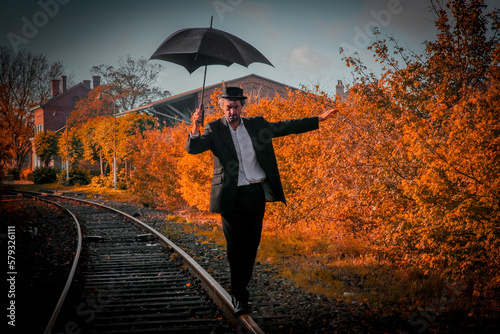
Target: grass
{"points": [[318, 266], [88, 191], [344, 271]]}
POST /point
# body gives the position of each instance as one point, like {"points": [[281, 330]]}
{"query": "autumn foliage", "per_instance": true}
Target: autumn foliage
{"points": [[407, 173], [409, 168]]}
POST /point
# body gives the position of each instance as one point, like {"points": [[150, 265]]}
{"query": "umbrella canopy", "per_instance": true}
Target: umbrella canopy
{"points": [[196, 47]]}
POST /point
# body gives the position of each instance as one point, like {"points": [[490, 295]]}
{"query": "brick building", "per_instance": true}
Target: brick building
{"points": [[52, 115]]}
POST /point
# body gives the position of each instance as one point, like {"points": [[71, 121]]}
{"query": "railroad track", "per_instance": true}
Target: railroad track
{"points": [[134, 280]]}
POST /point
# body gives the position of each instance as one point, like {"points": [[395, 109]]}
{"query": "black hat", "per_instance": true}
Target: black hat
{"points": [[231, 93]]}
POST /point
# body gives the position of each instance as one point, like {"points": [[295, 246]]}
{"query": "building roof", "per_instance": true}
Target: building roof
{"points": [[175, 107], [198, 90], [61, 95]]}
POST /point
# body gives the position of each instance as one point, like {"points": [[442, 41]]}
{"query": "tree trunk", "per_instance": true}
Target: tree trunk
{"points": [[101, 163]]}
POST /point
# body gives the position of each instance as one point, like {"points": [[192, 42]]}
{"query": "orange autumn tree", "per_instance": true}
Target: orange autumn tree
{"points": [[324, 172], [408, 168], [167, 176], [154, 158], [299, 158], [443, 210]]}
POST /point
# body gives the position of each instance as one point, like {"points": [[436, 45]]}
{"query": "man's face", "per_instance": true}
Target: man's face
{"points": [[232, 110]]}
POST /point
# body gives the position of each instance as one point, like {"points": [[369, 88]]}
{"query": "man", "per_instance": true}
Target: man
{"points": [[245, 176]]}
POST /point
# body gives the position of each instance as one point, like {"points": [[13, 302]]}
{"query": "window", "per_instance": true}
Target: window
{"points": [[38, 128]]}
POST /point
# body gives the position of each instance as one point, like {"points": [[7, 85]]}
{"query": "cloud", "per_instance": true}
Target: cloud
{"points": [[255, 10], [303, 57], [406, 20], [273, 36]]}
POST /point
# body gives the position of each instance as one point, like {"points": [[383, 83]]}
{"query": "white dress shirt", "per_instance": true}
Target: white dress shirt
{"points": [[249, 168]]}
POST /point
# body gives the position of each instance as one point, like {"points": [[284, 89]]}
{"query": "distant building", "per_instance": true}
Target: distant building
{"points": [[339, 90], [53, 114], [179, 107]]}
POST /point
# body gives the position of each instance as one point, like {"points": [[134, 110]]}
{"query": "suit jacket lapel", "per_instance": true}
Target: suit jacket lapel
{"points": [[225, 134]]}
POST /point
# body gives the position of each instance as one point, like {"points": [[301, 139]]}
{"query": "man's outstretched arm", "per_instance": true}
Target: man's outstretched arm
{"points": [[327, 114]]}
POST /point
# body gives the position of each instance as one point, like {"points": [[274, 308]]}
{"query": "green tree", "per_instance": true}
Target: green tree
{"points": [[71, 147], [97, 136], [104, 138], [92, 151], [46, 146], [130, 126]]}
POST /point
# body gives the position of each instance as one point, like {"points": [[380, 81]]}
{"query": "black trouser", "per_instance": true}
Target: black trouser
{"points": [[242, 228]]}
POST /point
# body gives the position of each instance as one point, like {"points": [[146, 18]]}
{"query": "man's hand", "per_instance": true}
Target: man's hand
{"points": [[196, 121], [327, 114]]}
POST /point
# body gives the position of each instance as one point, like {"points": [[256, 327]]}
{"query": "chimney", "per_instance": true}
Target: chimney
{"points": [[55, 87], [96, 81], [86, 83], [64, 81], [339, 88]]}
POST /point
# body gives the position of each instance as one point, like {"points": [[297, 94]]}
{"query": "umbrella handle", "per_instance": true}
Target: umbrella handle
{"points": [[203, 95]]}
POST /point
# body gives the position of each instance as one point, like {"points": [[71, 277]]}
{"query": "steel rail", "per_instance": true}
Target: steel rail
{"points": [[243, 323], [72, 271]]}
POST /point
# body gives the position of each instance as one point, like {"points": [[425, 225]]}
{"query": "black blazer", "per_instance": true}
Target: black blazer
{"points": [[217, 138]]}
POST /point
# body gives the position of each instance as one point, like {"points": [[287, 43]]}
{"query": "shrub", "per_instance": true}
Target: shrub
{"points": [[26, 174], [99, 181], [79, 177], [43, 175], [15, 173], [154, 157], [121, 180], [103, 181]]}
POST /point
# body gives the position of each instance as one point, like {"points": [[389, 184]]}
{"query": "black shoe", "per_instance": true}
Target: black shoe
{"points": [[240, 306]]}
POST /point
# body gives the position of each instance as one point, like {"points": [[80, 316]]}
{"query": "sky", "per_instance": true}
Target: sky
{"points": [[302, 39]]}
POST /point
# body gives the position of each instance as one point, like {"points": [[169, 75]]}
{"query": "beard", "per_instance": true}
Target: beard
{"points": [[233, 118]]}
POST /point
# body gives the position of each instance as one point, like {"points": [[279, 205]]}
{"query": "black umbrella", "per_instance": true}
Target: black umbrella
{"points": [[197, 47]]}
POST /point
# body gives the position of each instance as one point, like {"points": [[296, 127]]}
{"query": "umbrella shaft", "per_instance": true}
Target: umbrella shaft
{"points": [[203, 95]]}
